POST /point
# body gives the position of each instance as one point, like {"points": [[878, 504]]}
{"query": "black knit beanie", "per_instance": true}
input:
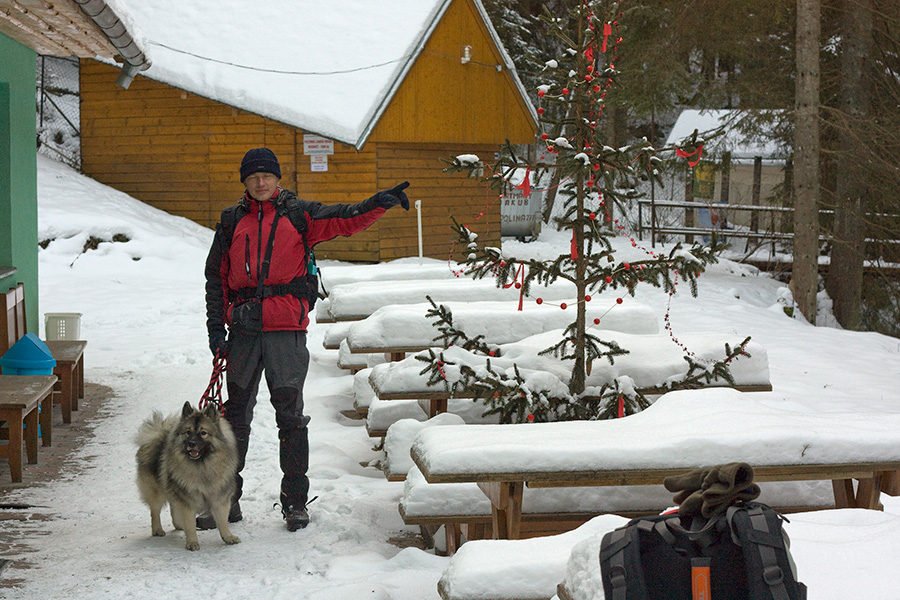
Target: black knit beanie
{"points": [[259, 160]]}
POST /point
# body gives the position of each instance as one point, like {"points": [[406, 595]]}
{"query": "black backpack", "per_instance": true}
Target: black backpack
{"points": [[289, 205], [741, 555]]}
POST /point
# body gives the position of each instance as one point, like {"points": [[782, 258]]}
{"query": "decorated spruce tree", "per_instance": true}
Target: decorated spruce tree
{"points": [[596, 178]]}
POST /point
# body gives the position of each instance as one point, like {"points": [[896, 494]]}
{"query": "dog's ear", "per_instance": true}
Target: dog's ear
{"points": [[187, 410], [211, 411]]}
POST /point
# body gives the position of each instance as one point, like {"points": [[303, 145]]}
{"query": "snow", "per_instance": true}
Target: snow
{"points": [[143, 316]]}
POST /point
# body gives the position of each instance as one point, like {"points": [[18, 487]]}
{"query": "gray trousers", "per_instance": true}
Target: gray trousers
{"points": [[284, 358]]}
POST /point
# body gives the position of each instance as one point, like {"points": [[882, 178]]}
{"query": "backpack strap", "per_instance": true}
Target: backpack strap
{"points": [[612, 552], [766, 542]]}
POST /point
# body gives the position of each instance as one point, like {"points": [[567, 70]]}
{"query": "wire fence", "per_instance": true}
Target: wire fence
{"points": [[58, 109]]}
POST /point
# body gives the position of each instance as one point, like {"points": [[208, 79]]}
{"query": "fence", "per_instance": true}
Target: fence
{"points": [[58, 111]]}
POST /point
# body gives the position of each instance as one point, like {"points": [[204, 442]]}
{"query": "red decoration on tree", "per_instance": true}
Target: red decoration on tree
{"points": [[621, 406], [597, 321], [607, 31], [564, 306], [540, 300], [525, 186], [573, 251], [587, 298], [686, 154], [618, 301]]}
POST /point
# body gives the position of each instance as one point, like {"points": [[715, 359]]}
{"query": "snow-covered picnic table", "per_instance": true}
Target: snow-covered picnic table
{"points": [[356, 301], [407, 328], [653, 361], [681, 431]]}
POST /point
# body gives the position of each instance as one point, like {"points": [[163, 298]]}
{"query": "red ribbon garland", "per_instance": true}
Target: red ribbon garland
{"points": [[685, 154]]}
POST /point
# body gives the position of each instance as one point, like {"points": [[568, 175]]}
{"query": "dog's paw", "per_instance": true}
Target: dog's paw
{"points": [[192, 546], [159, 533], [231, 539]]}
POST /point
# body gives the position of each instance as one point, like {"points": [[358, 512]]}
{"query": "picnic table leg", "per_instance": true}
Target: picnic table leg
{"points": [[31, 435], [437, 406], [868, 492], [46, 419], [843, 493], [453, 534], [506, 507], [15, 423]]}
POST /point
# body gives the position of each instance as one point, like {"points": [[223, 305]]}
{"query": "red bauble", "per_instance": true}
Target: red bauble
{"points": [[587, 298], [608, 279], [619, 301], [540, 300], [596, 321], [540, 93], [540, 110], [565, 91], [544, 136], [564, 306]]}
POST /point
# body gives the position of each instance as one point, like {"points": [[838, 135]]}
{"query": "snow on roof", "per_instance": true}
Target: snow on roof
{"points": [[737, 142], [327, 67]]}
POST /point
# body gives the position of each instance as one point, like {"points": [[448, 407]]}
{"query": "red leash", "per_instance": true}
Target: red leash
{"points": [[213, 391]]}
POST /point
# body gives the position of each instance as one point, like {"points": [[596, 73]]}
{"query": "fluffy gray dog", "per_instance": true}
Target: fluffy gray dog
{"points": [[188, 460]]}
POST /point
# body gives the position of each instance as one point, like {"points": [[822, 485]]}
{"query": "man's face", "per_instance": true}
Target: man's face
{"points": [[261, 186]]}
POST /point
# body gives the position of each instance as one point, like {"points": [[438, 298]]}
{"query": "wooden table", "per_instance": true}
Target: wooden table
{"points": [[25, 400], [69, 357]]}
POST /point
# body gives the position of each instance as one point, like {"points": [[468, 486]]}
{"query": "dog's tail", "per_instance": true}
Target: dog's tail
{"points": [[154, 430]]}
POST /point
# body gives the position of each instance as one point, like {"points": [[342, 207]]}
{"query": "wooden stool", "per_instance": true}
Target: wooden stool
{"points": [[69, 357], [25, 400]]}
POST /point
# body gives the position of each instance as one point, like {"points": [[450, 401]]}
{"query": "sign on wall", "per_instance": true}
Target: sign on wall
{"points": [[318, 149]]}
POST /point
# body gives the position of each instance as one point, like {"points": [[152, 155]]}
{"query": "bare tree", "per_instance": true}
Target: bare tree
{"points": [[806, 159], [845, 273]]}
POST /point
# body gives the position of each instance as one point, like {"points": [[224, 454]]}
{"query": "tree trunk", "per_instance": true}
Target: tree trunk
{"points": [[804, 282], [845, 273]]}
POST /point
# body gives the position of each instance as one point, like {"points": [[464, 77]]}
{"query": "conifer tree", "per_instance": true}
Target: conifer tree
{"points": [[596, 177]]}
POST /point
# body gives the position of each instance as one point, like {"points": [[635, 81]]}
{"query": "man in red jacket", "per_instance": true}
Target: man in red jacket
{"points": [[258, 284]]}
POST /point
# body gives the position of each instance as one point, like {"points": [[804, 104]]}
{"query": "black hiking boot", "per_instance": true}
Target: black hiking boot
{"points": [[296, 517], [205, 520]]}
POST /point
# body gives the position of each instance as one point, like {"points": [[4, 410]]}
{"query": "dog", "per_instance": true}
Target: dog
{"points": [[190, 461]]}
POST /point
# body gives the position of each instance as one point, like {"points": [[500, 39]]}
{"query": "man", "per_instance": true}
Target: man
{"points": [[259, 285]]}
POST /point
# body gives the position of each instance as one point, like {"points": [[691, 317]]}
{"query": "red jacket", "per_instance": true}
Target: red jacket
{"points": [[231, 267]]}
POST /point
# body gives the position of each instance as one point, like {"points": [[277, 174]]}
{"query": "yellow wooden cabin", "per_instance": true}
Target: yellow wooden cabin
{"points": [[169, 144]]}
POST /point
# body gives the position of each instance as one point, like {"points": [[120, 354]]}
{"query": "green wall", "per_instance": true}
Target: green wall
{"points": [[18, 172]]}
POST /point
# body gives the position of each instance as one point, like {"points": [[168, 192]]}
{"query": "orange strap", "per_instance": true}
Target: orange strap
{"points": [[700, 579]]}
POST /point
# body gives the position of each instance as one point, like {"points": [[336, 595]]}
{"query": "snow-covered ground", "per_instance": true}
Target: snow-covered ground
{"points": [[143, 315]]}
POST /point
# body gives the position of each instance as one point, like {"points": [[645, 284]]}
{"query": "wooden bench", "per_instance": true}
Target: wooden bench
{"points": [[681, 431], [518, 570], [464, 511], [26, 401], [69, 357], [653, 360], [68, 354]]}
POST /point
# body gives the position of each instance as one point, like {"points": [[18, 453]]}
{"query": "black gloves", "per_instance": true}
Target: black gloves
{"points": [[393, 197], [217, 343]]}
